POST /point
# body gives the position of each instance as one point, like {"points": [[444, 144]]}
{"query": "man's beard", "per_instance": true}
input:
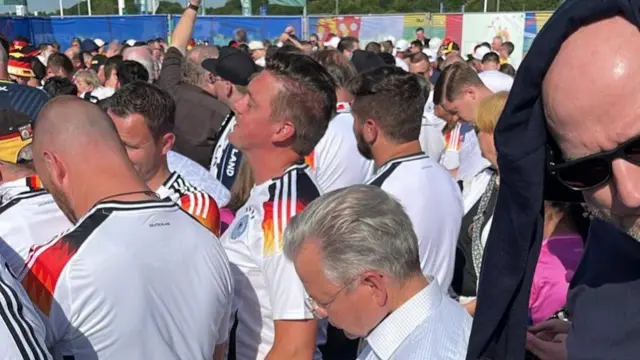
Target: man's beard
{"points": [[363, 147], [631, 227], [63, 203]]}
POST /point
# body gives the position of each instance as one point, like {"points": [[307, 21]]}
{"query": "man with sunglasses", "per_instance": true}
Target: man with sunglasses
{"points": [[364, 276], [581, 127]]}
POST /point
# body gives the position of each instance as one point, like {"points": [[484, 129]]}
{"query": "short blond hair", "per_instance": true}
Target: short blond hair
{"points": [[489, 111], [89, 77]]}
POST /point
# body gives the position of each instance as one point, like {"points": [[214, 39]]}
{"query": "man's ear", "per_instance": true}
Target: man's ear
{"points": [[167, 142], [284, 132], [370, 131], [56, 169]]}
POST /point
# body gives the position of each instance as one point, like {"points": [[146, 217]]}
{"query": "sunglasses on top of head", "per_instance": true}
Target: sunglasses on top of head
{"points": [[595, 170]]}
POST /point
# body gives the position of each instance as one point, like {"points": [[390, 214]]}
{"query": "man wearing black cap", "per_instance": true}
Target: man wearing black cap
{"points": [[232, 72], [89, 46], [366, 60], [593, 148], [28, 214]]}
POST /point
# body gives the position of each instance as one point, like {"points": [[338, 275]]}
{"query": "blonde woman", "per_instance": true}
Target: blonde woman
{"points": [[479, 195], [89, 86]]}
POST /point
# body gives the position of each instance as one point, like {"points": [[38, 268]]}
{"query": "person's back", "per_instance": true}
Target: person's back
{"points": [[137, 277], [23, 98]]}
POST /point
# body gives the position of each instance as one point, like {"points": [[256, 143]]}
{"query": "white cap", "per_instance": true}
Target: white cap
{"points": [[430, 53], [434, 44], [130, 42], [402, 45], [333, 42], [256, 45], [99, 42], [481, 52]]}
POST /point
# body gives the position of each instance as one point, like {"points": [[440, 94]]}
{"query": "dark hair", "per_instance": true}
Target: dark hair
{"points": [[337, 65], [452, 80], [417, 43], [510, 47], [154, 104], [348, 43], [57, 86], [5, 44], [393, 98], [60, 61], [307, 97], [241, 35], [388, 58], [39, 70], [111, 65], [486, 44], [244, 47], [130, 71], [419, 57], [491, 57], [508, 69], [419, 29], [44, 46], [288, 48], [271, 50], [373, 47], [266, 43]]}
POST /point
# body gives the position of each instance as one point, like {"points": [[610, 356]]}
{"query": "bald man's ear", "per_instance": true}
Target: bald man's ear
{"points": [[167, 142], [57, 172]]}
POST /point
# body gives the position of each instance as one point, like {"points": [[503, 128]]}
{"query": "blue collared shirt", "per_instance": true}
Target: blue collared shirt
{"points": [[428, 326]]}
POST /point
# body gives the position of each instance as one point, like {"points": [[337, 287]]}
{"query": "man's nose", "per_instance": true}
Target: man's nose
{"points": [[626, 178]]}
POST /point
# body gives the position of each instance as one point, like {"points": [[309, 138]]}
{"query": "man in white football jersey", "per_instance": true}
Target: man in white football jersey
{"points": [[136, 277], [144, 115], [388, 108], [28, 214], [279, 121], [336, 159]]}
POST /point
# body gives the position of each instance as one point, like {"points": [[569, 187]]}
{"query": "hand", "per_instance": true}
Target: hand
{"points": [[284, 37], [290, 30], [195, 2], [547, 340]]}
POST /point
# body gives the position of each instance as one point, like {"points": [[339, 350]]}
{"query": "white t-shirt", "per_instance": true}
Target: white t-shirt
{"points": [[496, 81], [434, 204], [198, 176], [431, 139], [336, 159], [28, 216], [22, 332], [267, 287], [402, 64], [136, 280]]}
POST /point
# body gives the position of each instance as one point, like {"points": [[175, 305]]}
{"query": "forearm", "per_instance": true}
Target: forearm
{"points": [[184, 30], [290, 353], [219, 352]]}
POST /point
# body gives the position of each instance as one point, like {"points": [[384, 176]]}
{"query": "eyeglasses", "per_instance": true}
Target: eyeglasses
{"points": [[320, 311], [594, 170]]}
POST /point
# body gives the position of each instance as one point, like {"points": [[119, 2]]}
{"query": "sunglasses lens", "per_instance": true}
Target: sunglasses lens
{"points": [[632, 152], [586, 174]]}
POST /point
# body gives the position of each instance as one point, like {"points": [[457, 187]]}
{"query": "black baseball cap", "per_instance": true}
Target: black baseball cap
{"points": [[88, 45], [98, 61], [233, 65], [366, 60], [15, 134]]}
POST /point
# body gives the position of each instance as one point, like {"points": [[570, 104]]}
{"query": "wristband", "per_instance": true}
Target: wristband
{"points": [[193, 7]]}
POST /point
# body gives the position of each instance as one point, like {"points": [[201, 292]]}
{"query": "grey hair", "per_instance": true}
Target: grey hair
{"points": [[360, 228], [144, 56]]}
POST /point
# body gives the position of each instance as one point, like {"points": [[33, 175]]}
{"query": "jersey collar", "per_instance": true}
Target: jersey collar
{"points": [[164, 190], [343, 107]]}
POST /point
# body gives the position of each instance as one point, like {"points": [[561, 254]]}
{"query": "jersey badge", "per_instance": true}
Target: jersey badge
{"points": [[240, 227]]}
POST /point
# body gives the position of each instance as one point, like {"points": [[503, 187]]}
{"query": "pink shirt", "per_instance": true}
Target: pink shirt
{"points": [[558, 260]]}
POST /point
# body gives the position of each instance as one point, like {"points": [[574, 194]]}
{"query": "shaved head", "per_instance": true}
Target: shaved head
{"points": [[591, 104], [79, 157]]}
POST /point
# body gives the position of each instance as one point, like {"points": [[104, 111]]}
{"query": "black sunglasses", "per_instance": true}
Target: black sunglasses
{"points": [[594, 170]]}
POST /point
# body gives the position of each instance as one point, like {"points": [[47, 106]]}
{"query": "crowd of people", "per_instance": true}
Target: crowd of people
{"points": [[316, 199]]}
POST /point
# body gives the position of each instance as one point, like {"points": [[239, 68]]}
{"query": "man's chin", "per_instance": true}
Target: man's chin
{"points": [[351, 336]]}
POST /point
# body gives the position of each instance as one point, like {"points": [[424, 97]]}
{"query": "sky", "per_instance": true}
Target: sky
{"points": [[50, 5]]}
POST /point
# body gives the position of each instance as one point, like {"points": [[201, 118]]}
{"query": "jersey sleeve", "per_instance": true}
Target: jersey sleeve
{"points": [[286, 292], [204, 208]]}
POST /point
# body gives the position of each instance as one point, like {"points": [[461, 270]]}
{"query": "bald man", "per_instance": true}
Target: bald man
{"points": [[593, 156], [144, 56], [136, 273]]}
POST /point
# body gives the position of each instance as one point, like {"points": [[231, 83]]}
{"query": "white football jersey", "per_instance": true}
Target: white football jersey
{"points": [[28, 216], [134, 280], [434, 204], [21, 330], [336, 159], [266, 284]]}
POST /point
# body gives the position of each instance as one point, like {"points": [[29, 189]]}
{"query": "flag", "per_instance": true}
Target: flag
{"points": [[298, 3]]}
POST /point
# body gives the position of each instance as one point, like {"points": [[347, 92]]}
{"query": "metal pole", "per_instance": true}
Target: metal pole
{"points": [[89, 6], [497, 5], [61, 9], [485, 5], [204, 8], [337, 7], [305, 22]]}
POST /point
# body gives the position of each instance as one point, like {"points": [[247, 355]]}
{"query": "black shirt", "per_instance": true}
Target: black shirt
{"points": [[23, 98]]}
